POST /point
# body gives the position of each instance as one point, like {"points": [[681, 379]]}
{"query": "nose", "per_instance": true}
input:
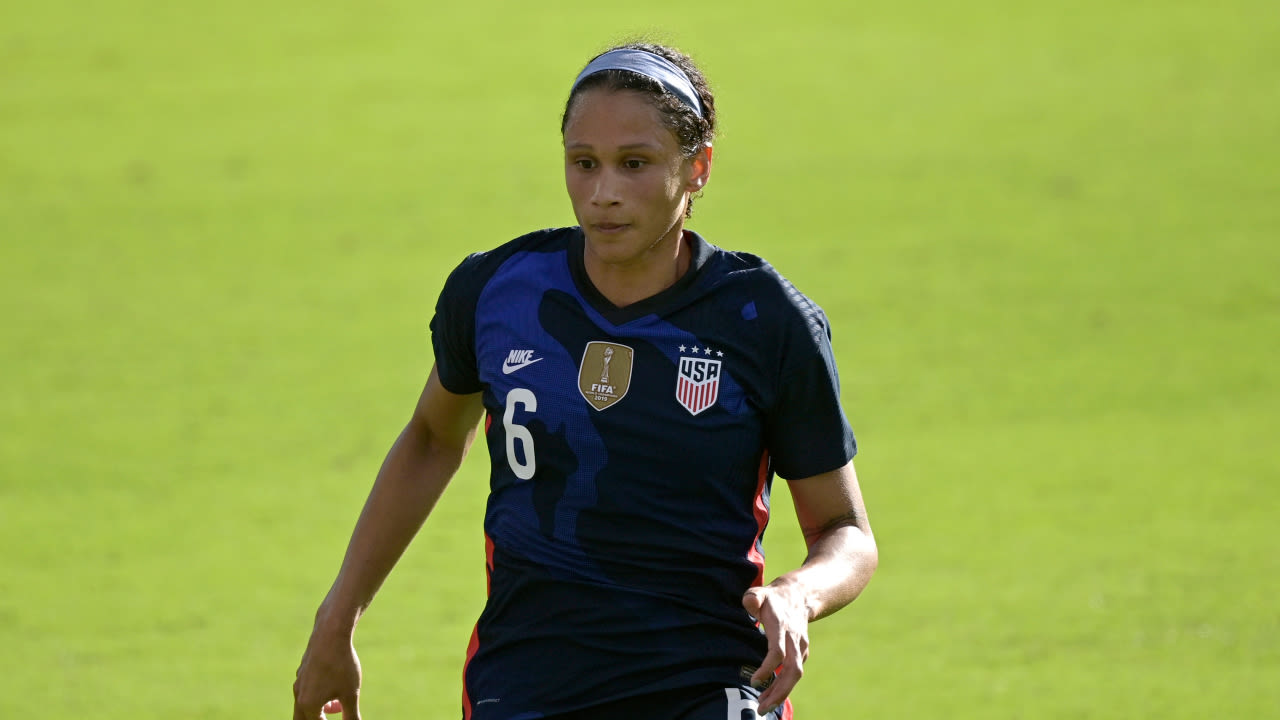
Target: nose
{"points": [[606, 191]]}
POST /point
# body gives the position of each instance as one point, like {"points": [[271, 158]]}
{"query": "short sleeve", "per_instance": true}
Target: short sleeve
{"points": [[453, 330], [806, 431]]}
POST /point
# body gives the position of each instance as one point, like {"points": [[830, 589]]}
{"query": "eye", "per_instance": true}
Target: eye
{"points": [[633, 164], [585, 163]]}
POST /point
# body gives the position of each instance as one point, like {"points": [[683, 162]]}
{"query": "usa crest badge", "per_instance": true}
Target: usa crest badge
{"points": [[698, 384], [605, 374]]}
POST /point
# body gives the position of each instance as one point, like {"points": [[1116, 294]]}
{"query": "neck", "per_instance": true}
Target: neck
{"points": [[642, 277]]}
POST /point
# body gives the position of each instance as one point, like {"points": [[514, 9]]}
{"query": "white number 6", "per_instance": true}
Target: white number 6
{"points": [[522, 396]]}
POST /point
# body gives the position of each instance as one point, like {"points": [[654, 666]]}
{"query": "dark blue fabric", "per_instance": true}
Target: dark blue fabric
{"points": [[700, 702], [618, 567]]}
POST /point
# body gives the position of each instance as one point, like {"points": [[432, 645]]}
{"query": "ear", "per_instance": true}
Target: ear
{"points": [[700, 169]]}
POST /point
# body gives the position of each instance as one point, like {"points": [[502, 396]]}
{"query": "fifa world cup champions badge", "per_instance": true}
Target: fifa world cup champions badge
{"points": [[605, 374]]}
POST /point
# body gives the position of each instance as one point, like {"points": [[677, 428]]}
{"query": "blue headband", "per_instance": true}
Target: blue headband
{"points": [[651, 66]]}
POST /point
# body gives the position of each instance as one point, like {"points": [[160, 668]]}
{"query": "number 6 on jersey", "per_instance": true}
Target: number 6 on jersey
{"points": [[523, 469]]}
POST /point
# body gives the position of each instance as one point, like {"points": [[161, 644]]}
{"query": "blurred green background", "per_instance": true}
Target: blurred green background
{"points": [[1047, 235]]}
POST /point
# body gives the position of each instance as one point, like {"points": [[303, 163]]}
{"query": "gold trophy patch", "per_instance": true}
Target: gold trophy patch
{"points": [[605, 373]]}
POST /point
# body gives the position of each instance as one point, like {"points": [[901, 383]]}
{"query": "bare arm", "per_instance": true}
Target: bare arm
{"points": [[842, 556], [418, 467], [842, 551], [414, 475]]}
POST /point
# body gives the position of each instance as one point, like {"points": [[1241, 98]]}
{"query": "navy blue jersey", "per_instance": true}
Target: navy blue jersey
{"points": [[632, 451]]}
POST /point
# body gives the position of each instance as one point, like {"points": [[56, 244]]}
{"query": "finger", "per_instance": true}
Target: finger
{"points": [[764, 676], [332, 707], [351, 706], [779, 690], [764, 711], [777, 651], [301, 712], [304, 707], [789, 673], [752, 601]]}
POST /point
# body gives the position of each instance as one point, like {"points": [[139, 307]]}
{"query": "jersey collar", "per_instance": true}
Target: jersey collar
{"points": [[658, 304]]}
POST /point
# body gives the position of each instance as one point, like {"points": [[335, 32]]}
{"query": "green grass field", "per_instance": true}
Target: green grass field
{"points": [[1048, 237]]}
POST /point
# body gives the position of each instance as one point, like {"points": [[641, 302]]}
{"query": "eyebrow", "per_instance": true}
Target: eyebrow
{"points": [[624, 148]]}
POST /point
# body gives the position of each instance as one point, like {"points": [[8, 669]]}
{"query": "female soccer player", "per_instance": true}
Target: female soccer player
{"points": [[639, 389]]}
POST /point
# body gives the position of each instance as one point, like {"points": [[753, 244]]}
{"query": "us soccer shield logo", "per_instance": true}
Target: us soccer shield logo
{"points": [[698, 384]]}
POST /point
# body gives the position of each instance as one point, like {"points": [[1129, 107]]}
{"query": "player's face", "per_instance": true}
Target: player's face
{"points": [[626, 176]]}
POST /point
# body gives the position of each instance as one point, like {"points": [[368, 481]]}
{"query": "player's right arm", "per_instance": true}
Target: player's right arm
{"points": [[418, 467]]}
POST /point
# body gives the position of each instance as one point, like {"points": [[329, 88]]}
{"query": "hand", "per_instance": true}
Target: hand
{"points": [[328, 679], [783, 615]]}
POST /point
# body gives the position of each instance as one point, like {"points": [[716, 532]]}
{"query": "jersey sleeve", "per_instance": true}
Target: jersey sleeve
{"points": [[806, 431], [453, 329]]}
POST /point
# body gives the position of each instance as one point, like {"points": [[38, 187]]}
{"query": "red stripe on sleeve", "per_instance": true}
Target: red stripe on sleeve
{"points": [[761, 512]]}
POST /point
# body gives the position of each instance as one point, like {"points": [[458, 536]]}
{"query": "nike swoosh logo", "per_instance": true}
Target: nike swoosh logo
{"points": [[507, 368]]}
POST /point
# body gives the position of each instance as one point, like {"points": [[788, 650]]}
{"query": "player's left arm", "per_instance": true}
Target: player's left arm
{"points": [[842, 556]]}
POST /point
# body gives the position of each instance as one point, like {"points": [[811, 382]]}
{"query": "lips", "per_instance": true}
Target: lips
{"points": [[609, 227]]}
